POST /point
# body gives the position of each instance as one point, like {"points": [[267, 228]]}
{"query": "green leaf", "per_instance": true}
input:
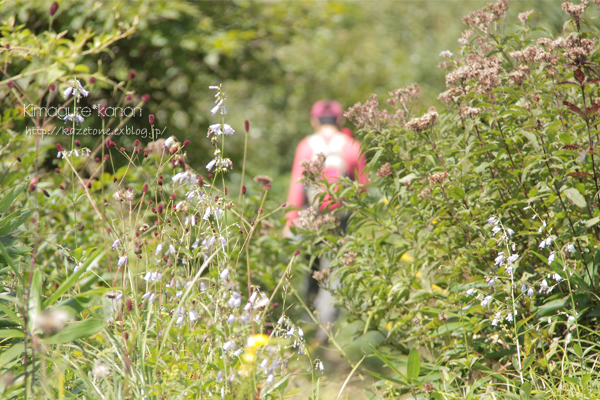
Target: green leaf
{"points": [[525, 391], [76, 331], [592, 222], [10, 263], [575, 197], [413, 368], [7, 200]]}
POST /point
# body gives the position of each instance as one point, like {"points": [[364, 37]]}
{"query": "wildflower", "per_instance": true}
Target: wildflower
{"points": [[543, 286], [253, 297], [509, 270], [512, 258], [568, 338], [495, 320], [122, 260], [229, 345], [446, 54], [158, 250], [471, 291], [179, 294], [231, 319], [557, 277], [542, 244], [530, 292], [491, 282], [100, 370], [153, 276], [171, 250], [202, 287], [211, 164], [220, 376], [248, 306], [300, 332], [264, 364], [51, 320], [496, 229], [219, 129], [224, 274], [179, 320], [509, 317], [548, 241], [500, 259], [169, 142], [551, 258], [123, 195], [320, 366], [193, 315], [215, 109], [238, 352], [196, 244], [77, 90], [541, 229], [116, 244], [270, 379], [79, 265], [487, 300], [570, 248], [510, 231], [235, 300]]}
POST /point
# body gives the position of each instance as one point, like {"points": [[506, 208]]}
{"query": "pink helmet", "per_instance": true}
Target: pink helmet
{"points": [[326, 108]]}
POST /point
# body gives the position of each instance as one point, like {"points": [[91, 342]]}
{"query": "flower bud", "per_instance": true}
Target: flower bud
{"points": [[128, 97], [145, 154], [151, 119], [53, 8], [145, 189], [32, 187], [52, 87], [136, 143], [246, 125], [45, 193], [186, 142], [200, 181], [19, 159], [61, 187], [296, 253], [92, 80], [146, 98], [244, 189], [131, 74], [10, 84], [77, 143], [57, 170]]}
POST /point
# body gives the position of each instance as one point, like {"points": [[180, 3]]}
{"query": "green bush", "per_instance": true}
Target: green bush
{"points": [[480, 251]]}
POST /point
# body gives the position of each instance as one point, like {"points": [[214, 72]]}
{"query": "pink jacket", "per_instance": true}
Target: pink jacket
{"points": [[354, 161]]}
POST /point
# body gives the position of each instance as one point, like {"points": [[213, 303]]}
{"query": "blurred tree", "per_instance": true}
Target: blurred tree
{"points": [[275, 58]]}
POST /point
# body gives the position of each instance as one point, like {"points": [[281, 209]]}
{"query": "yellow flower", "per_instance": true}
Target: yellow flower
{"points": [[434, 221], [388, 326], [257, 340], [407, 258], [419, 274], [385, 201]]}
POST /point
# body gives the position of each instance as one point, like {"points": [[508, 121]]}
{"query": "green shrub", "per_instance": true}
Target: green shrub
{"points": [[481, 248]]}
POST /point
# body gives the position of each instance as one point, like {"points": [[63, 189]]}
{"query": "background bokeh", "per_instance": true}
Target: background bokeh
{"points": [[274, 58]]}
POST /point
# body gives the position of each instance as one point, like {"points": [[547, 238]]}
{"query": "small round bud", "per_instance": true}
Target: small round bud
{"points": [[123, 149], [145, 189], [131, 74], [146, 98], [186, 142], [106, 157], [19, 159], [128, 97], [115, 179], [296, 253], [61, 187], [32, 187], [244, 189], [52, 87], [92, 80], [200, 181], [57, 170], [136, 143], [10, 84], [89, 185], [267, 186], [160, 182], [151, 119], [145, 154], [172, 197], [53, 8], [77, 143]]}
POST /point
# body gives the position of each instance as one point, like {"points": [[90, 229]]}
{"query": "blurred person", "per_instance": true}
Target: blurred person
{"points": [[343, 158]]}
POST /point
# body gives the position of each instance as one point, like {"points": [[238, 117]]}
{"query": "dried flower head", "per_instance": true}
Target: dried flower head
{"points": [[263, 180], [424, 122], [123, 195], [384, 171]]}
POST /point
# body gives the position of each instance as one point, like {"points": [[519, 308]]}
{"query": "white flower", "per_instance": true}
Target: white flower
{"points": [[491, 282], [509, 317], [202, 287], [551, 258], [500, 259], [543, 286], [541, 229], [213, 87], [206, 214], [530, 292], [122, 260], [224, 274], [248, 306], [179, 294], [496, 229], [510, 231], [235, 300], [215, 109], [153, 276], [492, 221], [77, 90], [542, 244], [100, 371], [270, 379], [196, 244], [471, 291], [570, 248], [264, 364], [446, 54], [253, 297], [238, 352], [509, 270], [219, 376], [229, 345], [171, 250], [169, 142], [512, 258], [68, 92], [568, 338], [548, 241], [557, 277], [158, 249], [211, 164], [179, 320], [193, 315], [300, 332], [487, 300], [116, 244], [320, 366], [231, 319], [76, 268]]}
